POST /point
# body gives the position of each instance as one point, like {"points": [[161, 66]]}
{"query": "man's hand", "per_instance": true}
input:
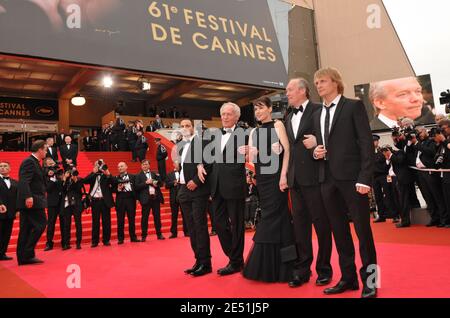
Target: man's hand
{"points": [[201, 173], [95, 170], [320, 152], [149, 182], [362, 190], [191, 185], [120, 186], [107, 173], [243, 150], [2, 209], [51, 173], [310, 141], [29, 203]]}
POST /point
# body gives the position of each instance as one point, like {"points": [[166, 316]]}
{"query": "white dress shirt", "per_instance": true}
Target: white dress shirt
{"points": [[97, 189], [183, 159], [297, 118], [225, 138], [151, 189], [8, 182], [387, 121]]}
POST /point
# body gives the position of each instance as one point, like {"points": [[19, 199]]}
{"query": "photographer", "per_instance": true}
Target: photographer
{"points": [[443, 162], [251, 201], [100, 192], [400, 179], [53, 177], [423, 152], [125, 187], [379, 183], [71, 205]]}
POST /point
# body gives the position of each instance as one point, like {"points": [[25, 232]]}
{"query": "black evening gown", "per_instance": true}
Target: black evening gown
{"points": [[270, 258]]}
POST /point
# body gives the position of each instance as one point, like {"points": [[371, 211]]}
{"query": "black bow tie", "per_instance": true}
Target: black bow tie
{"points": [[329, 107], [227, 131], [5, 178], [296, 110]]}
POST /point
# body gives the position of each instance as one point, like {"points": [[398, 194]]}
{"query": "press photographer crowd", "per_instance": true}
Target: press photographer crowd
{"points": [[326, 164]]}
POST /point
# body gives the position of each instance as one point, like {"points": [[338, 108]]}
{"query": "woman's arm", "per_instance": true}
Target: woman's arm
{"points": [[282, 135]]}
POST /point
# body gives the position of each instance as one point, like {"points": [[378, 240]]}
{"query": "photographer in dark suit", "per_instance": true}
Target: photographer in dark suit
{"points": [[141, 146], [226, 174], [150, 196], [125, 187], [100, 191], [53, 179], [303, 180], [161, 156], [8, 200], [52, 151], [72, 192], [346, 156], [193, 196], [379, 182], [69, 153], [173, 185], [31, 202]]}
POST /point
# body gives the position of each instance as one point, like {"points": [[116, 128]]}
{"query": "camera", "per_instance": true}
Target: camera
{"points": [[445, 97], [410, 133], [102, 167]]}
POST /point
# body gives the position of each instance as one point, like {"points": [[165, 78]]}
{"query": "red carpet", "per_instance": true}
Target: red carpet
{"points": [[155, 269]]}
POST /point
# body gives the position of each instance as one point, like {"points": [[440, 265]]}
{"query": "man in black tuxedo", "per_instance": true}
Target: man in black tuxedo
{"points": [[87, 142], [161, 156], [31, 202], [52, 150], [125, 187], [150, 196], [141, 146], [100, 181], [380, 188], [346, 156], [193, 196], [69, 153], [60, 138], [226, 173], [173, 185], [303, 180], [8, 201], [53, 182]]}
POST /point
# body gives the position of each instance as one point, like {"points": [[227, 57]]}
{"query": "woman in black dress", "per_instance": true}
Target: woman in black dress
{"points": [[272, 256]]}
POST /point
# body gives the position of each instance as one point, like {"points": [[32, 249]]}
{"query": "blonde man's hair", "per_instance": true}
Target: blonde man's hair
{"points": [[335, 76]]}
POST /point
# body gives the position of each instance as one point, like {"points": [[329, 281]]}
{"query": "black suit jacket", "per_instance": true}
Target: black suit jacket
{"points": [[399, 163], [170, 185], [54, 192], [53, 154], [105, 186], [59, 139], [71, 153], [189, 168], [143, 188], [350, 150], [303, 169], [8, 197], [227, 177], [31, 184]]}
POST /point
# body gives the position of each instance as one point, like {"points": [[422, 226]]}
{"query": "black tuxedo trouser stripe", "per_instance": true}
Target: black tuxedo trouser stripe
{"points": [[230, 227], [67, 214], [358, 206], [197, 222], [6, 227], [308, 209], [32, 225], [155, 206], [126, 206], [99, 209], [53, 213]]}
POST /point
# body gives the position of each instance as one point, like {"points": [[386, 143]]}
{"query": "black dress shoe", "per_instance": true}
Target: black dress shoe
{"points": [[120, 242], [402, 225], [48, 247], [202, 270], [298, 281], [78, 246], [432, 223], [323, 281], [31, 261], [5, 258], [395, 220], [135, 240], [93, 245], [341, 287], [213, 233], [172, 236], [106, 244], [379, 220], [229, 270], [67, 247], [440, 225], [160, 237], [369, 292], [144, 239], [192, 269]]}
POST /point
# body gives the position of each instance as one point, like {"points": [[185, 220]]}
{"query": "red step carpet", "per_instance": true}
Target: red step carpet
{"points": [[414, 263]]}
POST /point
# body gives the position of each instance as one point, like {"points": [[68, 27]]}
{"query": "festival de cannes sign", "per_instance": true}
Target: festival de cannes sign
{"points": [[232, 41]]}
